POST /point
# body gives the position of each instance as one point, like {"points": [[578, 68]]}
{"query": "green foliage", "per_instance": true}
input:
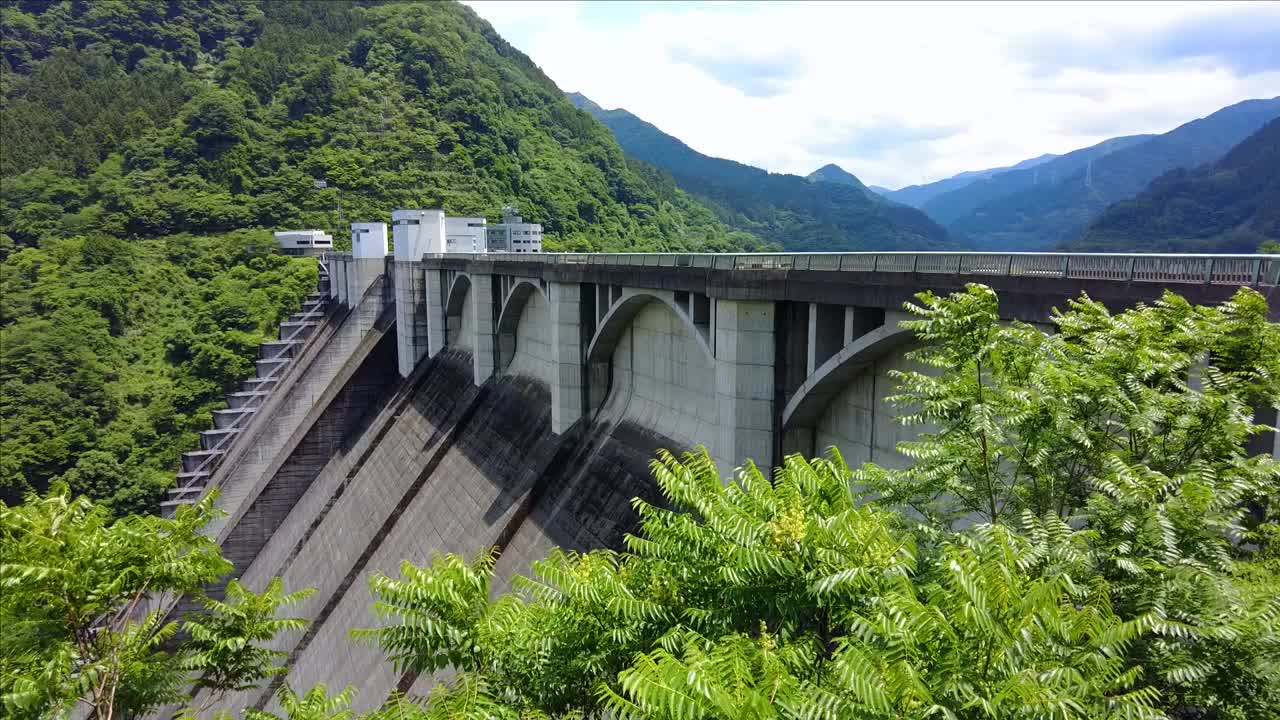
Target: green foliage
{"points": [[84, 613], [1024, 420], [223, 642], [223, 119], [769, 599], [1132, 426], [315, 705], [115, 353]]}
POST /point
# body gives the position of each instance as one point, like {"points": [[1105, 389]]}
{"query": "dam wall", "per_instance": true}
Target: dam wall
{"points": [[458, 404]]}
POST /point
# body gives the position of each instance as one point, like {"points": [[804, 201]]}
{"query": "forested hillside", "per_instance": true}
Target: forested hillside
{"points": [[1038, 208], [1231, 206], [148, 149], [785, 209]]}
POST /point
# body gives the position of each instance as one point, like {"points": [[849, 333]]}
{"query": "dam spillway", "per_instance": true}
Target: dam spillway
{"points": [[452, 403]]}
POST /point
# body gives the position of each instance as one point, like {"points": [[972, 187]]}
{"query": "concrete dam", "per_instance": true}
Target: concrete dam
{"points": [[452, 403]]}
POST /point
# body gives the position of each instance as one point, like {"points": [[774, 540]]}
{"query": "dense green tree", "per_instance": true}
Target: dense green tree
{"points": [[86, 620], [115, 353]]}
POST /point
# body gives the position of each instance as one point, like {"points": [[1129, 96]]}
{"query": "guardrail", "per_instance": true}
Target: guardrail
{"points": [[1254, 270]]}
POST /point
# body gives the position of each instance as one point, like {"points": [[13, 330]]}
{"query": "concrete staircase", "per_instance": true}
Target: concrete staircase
{"points": [[274, 359]]}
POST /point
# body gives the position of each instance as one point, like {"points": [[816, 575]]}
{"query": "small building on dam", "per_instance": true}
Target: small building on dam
{"points": [[430, 401]]}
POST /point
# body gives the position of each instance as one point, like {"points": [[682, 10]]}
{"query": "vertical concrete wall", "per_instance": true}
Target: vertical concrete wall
{"points": [[567, 386], [745, 380], [483, 318], [412, 335], [361, 274]]}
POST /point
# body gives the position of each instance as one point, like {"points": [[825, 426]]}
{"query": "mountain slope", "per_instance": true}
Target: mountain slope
{"points": [[148, 148], [1031, 215], [401, 105], [833, 173], [950, 206], [917, 195], [786, 209], [1232, 205]]}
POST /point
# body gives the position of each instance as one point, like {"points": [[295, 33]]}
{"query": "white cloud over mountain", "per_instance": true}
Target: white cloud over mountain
{"points": [[901, 93]]}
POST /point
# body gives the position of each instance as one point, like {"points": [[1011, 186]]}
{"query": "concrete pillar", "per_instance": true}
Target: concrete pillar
{"points": [[339, 279], [484, 323], [826, 334], [411, 315], [434, 290], [745, 380], [361, 274], [567, 354]]}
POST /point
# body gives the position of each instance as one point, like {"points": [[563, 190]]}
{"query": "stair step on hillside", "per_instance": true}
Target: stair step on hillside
{"points": [[226, 418], [259, 384], [191, 480], [210, 439], [188, 494], [274, 366], [243, 399], [279, 348], [310, 304], [191, 461], [290, 329]]}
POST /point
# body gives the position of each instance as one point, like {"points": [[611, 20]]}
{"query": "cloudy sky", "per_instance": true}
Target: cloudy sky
{"points": [[900, 93]]}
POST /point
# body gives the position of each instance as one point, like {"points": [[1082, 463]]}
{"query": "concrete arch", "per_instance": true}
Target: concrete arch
{"points": [[619, 317], [454, 308], [513, 306], [813, 396]]}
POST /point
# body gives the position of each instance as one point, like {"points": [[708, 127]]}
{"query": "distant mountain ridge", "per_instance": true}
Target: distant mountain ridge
{"points": [[1043, 206], [1229, 206], [786, 209], [917, 195], [833, 173]]}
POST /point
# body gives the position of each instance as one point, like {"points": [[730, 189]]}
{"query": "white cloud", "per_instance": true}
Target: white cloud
{"points": [[896, 93]]}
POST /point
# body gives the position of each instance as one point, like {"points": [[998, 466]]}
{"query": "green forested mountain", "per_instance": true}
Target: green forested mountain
{"points": [[149, 147], [205, 116], [833, 173], [917, 195], [1232, 205], [973, 194], [785, 209], [1038, 208]]}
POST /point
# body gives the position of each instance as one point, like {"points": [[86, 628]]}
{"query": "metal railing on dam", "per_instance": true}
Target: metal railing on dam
{"points": [[1253, 270]]}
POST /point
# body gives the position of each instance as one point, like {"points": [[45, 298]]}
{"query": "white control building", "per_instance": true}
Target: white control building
{"points": [[304, 242], [368, 240], [465, 234], [415, 233]]}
